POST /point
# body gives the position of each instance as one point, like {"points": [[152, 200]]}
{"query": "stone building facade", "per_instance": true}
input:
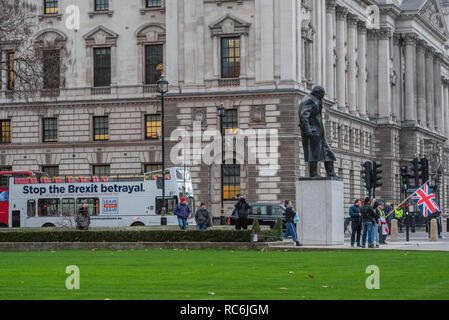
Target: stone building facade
{"points": [[383, 63]]}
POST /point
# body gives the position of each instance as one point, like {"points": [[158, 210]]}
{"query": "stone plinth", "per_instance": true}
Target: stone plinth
{"points": [[320, 205]]}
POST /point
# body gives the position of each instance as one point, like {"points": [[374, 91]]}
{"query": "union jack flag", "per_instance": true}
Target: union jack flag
{"points": [[425, 200]]}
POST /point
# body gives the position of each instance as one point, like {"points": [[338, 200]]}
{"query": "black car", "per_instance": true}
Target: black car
{"points": [[266, 213]]}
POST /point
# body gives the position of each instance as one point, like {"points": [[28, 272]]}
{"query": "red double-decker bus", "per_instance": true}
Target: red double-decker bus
{"points": [[27, 176]]}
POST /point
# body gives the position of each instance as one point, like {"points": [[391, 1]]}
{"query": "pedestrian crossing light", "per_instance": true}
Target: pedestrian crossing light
{"points": [[405, 178], [424, 170], [366, 175], [415, 171], [377, 175]]}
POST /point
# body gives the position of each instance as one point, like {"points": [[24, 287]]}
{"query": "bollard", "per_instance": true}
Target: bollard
{"points": [[163, 220], [394, 230], [447, 222], [434, 230]]}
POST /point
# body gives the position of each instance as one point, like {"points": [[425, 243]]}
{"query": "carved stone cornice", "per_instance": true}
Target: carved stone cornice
{"points": [[372, 34], [385, 33], [421, 46], [341, 12], [410, 39], [361, 26], [352, 20], [430, 52], [330, 5]]}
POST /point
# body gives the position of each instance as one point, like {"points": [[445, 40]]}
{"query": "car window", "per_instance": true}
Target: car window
{"points": [[277, 211], [259, 210]]}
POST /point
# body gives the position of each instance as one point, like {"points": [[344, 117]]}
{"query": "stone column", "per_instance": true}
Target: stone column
{"points": [[437, 88], [445, 106], [352, 63], [341, 13], [288, 38], [384, 82], [361, 57], [330, 19], [172, 42], [409, 96], [399, 84], [430, 94], [421, 82]]}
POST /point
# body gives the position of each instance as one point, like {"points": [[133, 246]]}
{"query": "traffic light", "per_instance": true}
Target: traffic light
{"points": [[377, 175], [424, 170], [366, 175], [415, 171], [405, 178]]}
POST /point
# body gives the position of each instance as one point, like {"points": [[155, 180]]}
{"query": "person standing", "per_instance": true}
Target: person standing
{"points": [[368, 218], [182, 211], [380, 212], [376, 223], [202, 217], [356, 223], [82, 217], [290, 215], [389, 209], [242, 211]]}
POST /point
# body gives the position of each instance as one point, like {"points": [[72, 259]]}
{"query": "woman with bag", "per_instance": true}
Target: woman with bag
{"points": [[291, 218]]}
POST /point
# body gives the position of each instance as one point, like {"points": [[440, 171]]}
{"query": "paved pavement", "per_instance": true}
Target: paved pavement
{"points": [[418, 241]]}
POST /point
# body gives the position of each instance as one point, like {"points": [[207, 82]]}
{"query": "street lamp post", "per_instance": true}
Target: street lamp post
{"points": [[162, 88], [221, 114]]}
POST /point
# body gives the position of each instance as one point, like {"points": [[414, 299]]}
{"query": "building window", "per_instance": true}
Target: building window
{"points": [[50, 130], [101, 128], [231, 181], [153, 58], [52, 69], [230, 121], [230, 57], [5, 126], [101, 170], [51, 6], [11, 73], [102, 67], [150, 167], [101, 5], [153, 126], [153, 3], [52, 171]]}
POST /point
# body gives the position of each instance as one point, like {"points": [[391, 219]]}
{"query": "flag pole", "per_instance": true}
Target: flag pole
{"points": [[406, 200]]}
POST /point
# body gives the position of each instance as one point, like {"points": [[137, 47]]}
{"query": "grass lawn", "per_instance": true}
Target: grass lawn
{"points": [[234, 275]]}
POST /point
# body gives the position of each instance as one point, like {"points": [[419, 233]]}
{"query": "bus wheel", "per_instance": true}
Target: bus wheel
{"points": [[2, 225], [48, 225], [138, 224]]}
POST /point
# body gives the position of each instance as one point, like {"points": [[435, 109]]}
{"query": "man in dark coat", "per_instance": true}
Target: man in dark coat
{"points": [[369, 217], [356, 219], [202, 217], [314, 141], [242, 211]]}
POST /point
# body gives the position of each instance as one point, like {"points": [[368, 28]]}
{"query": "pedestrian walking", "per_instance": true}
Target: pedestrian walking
{"points": [[82, 217], [368, 219], [290, 215], [182, 211], [356, 223], [202, 217], [242, 211]]}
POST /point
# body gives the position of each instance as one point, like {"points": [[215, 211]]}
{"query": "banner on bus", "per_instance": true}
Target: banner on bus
{"points": [[110, 206]]}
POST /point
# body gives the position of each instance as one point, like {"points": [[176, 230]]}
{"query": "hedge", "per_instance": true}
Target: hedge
{"points": [[126, 236]]}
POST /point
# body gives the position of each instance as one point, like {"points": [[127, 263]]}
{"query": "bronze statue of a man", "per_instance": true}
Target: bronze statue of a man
{"points": [[313, 135]]}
